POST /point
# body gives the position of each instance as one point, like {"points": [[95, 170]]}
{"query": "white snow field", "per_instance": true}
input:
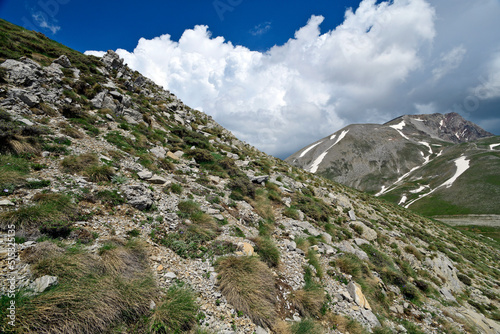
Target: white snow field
{"points": [[308, 149], [462, 165], [313, 168], [492, 146], [398, 127]]}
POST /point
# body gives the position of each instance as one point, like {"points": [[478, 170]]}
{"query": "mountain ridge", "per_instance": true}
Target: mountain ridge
{"points": [[389, 157]]}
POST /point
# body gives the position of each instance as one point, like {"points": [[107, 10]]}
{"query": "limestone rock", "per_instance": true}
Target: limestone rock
{"points": [[157, 180], [158, 152], [486, 325], [358, 296], [145, 175], [172, 156], [138, 196], [442, 266], [245, 248], [22, 72], [43, 283], [368, 233], [63, 60], [6, 202]]}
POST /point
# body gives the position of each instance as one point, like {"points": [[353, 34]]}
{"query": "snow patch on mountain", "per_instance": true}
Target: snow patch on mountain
{"points": [[342, 135], [332, 137], [402, 200], [398, 127], [308, 149], [462, 165], [492, 146], [314, 166], [418, 190], [426, 144]]}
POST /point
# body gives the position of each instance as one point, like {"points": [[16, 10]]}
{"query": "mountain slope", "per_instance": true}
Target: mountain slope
{"points": [[124, 210], [403, 158]]}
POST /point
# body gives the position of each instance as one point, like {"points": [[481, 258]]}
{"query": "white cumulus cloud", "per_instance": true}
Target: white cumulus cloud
{"points": [[373, 67]]}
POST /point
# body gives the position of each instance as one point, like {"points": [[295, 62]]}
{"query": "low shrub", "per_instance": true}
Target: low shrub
{"points": [[110, 197], [240, 187], [94, 292], [267, 250], [47, 208], [248, 286], [306, 326], [176, 313]]}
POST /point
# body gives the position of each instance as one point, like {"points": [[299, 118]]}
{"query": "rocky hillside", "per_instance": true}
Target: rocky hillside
{"points": [[125, 211], [434, 164]]}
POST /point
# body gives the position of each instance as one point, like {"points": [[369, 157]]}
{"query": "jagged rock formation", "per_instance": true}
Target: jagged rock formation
{"points": [[114, 185]]}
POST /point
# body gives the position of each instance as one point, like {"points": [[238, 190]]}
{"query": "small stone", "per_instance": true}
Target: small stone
{"points": [[170, 275], [6, 202], [157, 180], [152, 305], [245, 248], [355, 308], [43, 283], [160, 268], [145, 174], [352, 215]]}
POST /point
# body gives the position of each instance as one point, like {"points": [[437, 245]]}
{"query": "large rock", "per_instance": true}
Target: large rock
{"points": [[368, 233], [158, 152], [23, 72], [442, 266], [138, 196], [63, 61], [112, 60], [28, 98], [145, 174], [43, 283], [345, 247], [485, 325], [358, 296], [245, 248], [157, 180]]}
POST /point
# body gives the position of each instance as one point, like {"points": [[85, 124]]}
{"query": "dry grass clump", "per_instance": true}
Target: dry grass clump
{"points": [[94, 292], [248, 285], [47, 208], [176, 314], [88, 165], [343, 324], [308, 302]]}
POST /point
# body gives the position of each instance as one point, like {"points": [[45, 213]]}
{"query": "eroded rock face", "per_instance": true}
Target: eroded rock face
{"points": [[358, 296], [23, 72], [442, 266]]}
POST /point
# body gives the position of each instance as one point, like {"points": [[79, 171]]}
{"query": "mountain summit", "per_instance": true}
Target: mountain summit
{"points": [[410, 158]]}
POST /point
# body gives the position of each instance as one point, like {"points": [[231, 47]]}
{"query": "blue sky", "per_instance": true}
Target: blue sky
{"points": [[103, 25], [281, 76]]}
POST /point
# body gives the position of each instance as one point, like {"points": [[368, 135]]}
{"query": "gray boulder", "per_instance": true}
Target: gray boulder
{"points": [[43, 283], [112, 60], [138, 196], [63, 60], [23, 72], [260, 179]]}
